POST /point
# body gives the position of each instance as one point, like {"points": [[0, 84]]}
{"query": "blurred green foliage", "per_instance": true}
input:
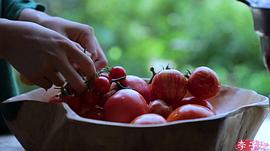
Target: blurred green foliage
{"points": [[185, 34]]}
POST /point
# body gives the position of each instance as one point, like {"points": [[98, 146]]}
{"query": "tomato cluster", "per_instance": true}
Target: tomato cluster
{"points": [[168, 96]]}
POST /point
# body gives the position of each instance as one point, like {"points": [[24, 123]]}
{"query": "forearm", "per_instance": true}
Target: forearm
{"points": [[4, 23], [12, 34]]}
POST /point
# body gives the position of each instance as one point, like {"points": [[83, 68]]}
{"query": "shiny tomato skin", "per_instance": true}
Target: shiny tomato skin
{"points": [[90, 97], [106, 75], [169, 85], [138, 84], [102, 85], [193, 100], [117, 72], [203, 83], [149, 118], [160, 107], [189, 111], [124, 106], [74, 102], [95, 112]]}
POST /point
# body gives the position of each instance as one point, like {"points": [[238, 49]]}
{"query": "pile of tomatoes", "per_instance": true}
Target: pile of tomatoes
{"points": [[168, 96]]}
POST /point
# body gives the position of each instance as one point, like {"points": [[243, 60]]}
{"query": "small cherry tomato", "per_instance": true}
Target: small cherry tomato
{"points": [[193, 100], [189, 111], [105, 75], [169, 86], [124, 106], [73, 102], [150, 118], [203, 83], [117, 72], [160, 107], [102, 85], [90, 97]]}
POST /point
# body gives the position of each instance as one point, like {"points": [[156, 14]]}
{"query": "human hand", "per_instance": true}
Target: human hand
{"points": [[44, 56], [80, 33]]}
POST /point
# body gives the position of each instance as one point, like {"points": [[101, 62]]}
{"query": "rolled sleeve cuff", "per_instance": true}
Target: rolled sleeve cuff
{"points": [[15, 8]]}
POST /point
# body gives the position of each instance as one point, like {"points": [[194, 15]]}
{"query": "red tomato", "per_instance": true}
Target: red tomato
{"points": [[124, 106], [117, 72], [55, 99], [189, 111], [146, 119], [203, 83], [105, 75], [160, 107], [95, 112], [169, 85], [90, 97], [73, 102], [139, 85], [193, 100], [102, 85]]}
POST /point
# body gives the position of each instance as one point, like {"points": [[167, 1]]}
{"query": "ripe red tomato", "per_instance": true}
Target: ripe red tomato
{"points": [[90, 97], [139, 85], [73, 102], [117, 72], [169, 85], [124, 106], [95, 112], [106, 75], [193, 100], [203, 83], [102, 85], [189, 111], [146, 119], [55, 99], [160, 107]]}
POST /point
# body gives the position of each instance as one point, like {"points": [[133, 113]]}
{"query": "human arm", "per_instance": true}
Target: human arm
{"points": [[42, 55]]}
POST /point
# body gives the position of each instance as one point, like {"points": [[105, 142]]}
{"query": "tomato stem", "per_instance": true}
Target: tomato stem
{"points": [[168, 67], [187, 74], [152, 69]]}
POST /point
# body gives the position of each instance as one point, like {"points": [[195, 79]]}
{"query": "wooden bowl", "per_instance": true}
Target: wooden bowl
{"points": [[55, 127]]}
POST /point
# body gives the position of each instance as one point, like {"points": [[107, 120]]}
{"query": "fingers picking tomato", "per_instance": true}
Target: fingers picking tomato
{"points": [[124, 106], [189, 111], [147, 119]]}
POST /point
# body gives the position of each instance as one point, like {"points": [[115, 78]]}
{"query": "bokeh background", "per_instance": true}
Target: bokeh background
{"points": [[185, 34]]}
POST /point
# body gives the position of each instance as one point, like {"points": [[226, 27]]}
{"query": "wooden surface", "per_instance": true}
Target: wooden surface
{"points": [[10, 143], [41, 126]]}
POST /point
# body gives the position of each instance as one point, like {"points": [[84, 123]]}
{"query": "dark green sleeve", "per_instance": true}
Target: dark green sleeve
{"points": [[13, 8], [8, 85]]}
